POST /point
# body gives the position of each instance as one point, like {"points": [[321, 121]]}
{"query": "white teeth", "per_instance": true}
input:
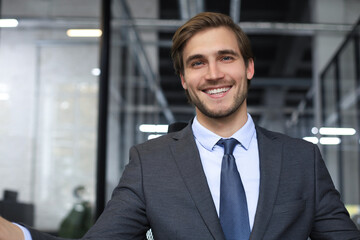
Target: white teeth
{"points": [[217, 91]]}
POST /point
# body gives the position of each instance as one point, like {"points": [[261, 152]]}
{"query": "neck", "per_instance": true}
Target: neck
{"points": [[227, 126]]}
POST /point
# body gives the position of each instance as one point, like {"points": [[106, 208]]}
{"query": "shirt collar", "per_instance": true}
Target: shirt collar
{"points": [[209, 139]]}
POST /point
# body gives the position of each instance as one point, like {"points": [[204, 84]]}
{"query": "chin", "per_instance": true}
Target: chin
{"points": [[218, 114]]}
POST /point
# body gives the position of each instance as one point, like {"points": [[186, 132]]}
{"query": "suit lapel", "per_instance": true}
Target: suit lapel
{"points": [[187, 158], [270, 154]]}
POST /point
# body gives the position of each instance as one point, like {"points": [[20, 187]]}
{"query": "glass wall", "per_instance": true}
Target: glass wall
{"points": [[338, 133], [49, 89], [48, 105], [340, 84], [135, 95], [348, 108], [330, 97]]}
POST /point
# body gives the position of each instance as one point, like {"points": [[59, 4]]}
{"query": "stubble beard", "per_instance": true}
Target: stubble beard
{"points": [[239, 100]]}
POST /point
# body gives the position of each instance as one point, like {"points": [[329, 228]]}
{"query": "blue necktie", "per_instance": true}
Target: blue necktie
{"points": [[234, 217]]}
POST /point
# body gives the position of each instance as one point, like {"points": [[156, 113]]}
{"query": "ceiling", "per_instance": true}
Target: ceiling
{"points": [[283, 60]]}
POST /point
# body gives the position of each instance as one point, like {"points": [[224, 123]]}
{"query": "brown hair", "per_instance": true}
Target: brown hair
{"points": [[200, 22]]}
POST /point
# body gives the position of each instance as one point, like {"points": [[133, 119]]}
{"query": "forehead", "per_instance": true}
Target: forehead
{"points": [[211, 40]]}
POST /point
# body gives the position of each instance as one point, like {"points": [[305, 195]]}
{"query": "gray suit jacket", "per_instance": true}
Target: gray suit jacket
{"points": [[164, 188]]}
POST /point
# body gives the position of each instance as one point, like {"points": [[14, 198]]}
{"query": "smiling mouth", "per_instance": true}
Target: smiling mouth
{"points": [[217, 91]]}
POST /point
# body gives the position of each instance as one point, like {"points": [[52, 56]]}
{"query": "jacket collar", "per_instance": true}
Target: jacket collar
{"points": [[188, 161], [270, 155]]}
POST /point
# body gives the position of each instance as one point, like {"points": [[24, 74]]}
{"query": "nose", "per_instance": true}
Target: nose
{"points": [[214, 72]]}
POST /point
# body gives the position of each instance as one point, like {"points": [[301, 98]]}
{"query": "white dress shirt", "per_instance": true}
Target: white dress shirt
{"points": [[27, 235], [247, 160]]}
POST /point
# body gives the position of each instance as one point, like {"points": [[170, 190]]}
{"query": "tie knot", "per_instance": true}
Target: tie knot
{"points": [[228, 144]]}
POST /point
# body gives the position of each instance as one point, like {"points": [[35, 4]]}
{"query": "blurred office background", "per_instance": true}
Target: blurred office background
{"points": [[72, 106]]}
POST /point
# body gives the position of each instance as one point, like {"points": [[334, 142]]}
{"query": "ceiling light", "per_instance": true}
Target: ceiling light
{"points": [[314, 130], [337, 131], [313, 140], [96, 71], [83, 33], [330, 140], [8, 23], [154, 128]]}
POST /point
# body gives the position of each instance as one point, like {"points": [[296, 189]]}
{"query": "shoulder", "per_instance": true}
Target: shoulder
{"points": [[284, 139], [156, 142], [35, 234], [294, 151], [184, 136]]}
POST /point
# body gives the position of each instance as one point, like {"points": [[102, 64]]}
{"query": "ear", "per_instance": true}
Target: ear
{"points": [[250, 70], [183, 82]]}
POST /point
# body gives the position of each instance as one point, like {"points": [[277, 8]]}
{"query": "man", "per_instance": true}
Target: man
{"points": [[174, 184]]}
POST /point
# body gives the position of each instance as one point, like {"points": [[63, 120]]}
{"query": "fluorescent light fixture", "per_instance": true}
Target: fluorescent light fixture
{"points": [[8, 23], [152, 136], [313, 140], [153, 128], [330, 140], [83, 33], [337, 131]]}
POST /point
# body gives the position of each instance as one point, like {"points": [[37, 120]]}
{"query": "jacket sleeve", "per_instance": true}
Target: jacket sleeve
{"points": [[124, 216], [37, 235], [331, 220]]}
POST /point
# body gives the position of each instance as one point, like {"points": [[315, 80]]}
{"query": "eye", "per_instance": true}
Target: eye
{"points": [[196, 63], [227, 58]]}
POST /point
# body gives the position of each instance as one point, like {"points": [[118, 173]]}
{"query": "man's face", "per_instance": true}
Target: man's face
{"points": [[215, 76]]}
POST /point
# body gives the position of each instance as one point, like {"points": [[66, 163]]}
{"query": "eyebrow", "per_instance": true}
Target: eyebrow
{"points": [[192, 57], [228, 51], [220, 52]]}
